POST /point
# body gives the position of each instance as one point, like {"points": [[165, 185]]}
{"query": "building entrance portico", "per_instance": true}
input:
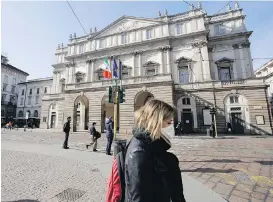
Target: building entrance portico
{"points": [[80, 115]]}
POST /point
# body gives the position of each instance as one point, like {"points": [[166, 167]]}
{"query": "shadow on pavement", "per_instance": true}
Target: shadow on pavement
{"points": [[265, 163], [210, 170], [24, 200], [219, 161]]}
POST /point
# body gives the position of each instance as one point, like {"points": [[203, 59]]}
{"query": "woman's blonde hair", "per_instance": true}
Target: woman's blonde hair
{"points": [[151, 116]]}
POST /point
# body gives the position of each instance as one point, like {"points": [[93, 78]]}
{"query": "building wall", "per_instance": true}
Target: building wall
{"points": [[36, 98], [257, 105]]}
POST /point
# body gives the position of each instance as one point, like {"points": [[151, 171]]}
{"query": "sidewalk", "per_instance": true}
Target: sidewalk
{"points": [[193, 190]]}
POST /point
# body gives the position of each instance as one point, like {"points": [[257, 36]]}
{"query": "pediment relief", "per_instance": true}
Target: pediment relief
{"points": [[224, 60], [150, 63], [183, 59], [126, 24]]}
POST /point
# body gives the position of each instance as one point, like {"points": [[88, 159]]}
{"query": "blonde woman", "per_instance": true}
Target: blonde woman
{"points": [[151, 173]]}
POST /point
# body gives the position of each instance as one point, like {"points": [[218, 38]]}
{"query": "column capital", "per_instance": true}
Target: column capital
{"points": [[246, 44], [210, 49], [235, 46]]}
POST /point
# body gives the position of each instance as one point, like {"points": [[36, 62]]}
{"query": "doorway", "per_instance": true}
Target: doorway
{"points": [[237, 123], [53, 120], [187, 122]]}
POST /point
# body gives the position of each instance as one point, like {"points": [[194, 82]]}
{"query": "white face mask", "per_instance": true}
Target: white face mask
{"points": [[168, 132]]}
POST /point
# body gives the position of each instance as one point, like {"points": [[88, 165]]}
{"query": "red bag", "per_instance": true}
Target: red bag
{"points": [[114, 191]]}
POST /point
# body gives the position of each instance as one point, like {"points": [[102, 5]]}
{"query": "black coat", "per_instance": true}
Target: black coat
{"points": [[151, 173]]}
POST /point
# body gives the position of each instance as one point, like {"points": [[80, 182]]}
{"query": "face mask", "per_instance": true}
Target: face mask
{"points": [[168, 132]]}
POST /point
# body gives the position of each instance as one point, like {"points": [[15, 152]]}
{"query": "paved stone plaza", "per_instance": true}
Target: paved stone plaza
{"points": [[35, 167]]}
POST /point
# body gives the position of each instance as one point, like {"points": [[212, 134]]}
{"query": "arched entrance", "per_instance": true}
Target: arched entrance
{"points": [[186, 113], [81, 113], [52, 116], [141, 98], [107, 109], [237, 113]]}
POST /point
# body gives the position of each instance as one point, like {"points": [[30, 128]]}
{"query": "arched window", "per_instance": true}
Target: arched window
{"points": [[21, 114], [36, 113]]}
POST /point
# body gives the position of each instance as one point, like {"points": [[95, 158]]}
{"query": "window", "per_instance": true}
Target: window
{"points": [[184, 75], [45, 91], [100, 76], [38, 90], [21, 114], [186, 101], [150, 71], [149, 34], [80, 48], [4, 97], [178, 29], [37, 99], [123, 38], [30, 91], [29, 100], [29, 114], [22, 101], [220, 29], [224, 74], [6, 79], [233, 99], [23, 91], [35, 113], [13, 89], [14, 81], [12, 99], [102, 43], [5, 86], [125, 72]]}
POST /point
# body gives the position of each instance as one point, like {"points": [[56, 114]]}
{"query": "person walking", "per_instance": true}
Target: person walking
{"points": [[94, 137], [151, 173], [109, 134], [66, 130]]}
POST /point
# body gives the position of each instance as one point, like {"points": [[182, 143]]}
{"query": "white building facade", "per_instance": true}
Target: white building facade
{"points": [[190, 60], [10, 77], [30, 99], [266, 72]]}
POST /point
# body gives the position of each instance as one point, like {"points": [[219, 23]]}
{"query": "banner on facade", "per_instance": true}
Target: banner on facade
{"points": [[26, 115]]}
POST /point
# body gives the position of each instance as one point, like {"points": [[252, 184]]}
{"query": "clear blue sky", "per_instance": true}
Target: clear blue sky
{"points": [[31, 31]]}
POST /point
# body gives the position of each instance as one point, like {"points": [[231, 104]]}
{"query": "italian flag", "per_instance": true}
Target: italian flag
{"points": [[106, 70]]}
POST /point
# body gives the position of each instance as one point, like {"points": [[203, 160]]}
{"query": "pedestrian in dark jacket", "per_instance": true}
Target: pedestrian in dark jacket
{"points": [[109, 125], [66, 130], [151, 173], [94, 138]]}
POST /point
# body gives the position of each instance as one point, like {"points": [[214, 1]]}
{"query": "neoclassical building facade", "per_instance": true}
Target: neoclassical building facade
{"points": [[190, 60]]}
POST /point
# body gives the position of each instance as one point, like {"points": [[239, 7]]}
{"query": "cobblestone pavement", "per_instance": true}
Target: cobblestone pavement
{"points": [[43, 178], [240, 169]]}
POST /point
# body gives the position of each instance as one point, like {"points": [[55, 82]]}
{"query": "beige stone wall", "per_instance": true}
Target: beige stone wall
{"points": [[257, 105], [162, 92]]}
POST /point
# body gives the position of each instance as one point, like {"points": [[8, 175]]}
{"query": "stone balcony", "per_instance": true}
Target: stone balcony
{"points": [[222, 84], [127, 81]]}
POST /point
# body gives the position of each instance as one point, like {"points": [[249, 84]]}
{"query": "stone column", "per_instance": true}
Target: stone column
{"points": [[205, 63], [247, 68], [161, 70], [134, 64], [213, 68], [88, 71], [237, 65], [140, 64], [58, 82], [168, 61], [67, 75], [92, 70]]}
